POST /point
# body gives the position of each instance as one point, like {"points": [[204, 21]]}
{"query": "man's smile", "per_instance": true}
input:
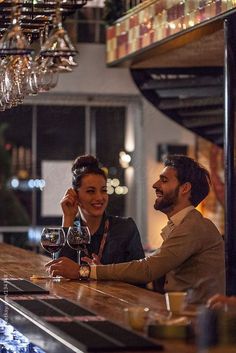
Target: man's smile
{"points": [[159, 193]]}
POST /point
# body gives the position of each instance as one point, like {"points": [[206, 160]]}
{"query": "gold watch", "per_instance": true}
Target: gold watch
{"points": [[84, 271]]}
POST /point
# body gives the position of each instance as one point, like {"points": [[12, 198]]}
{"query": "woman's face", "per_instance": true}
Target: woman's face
{"points": [[92, 195]]}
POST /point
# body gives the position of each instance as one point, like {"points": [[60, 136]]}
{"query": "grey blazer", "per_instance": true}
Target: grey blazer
{"points": [[192, 258]]}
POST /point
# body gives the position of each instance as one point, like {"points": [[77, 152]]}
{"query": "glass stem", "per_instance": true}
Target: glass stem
{"points": [[79, 257], [54, 256]]}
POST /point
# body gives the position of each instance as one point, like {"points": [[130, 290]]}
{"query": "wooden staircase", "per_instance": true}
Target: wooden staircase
{"points": [[193, 97]]}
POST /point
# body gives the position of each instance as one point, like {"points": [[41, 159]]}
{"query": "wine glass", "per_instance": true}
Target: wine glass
{"points": [[77, 238], [52, 240], [58, 42]]}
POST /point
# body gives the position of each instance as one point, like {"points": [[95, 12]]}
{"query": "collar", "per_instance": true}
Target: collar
{"points": [[174, 221], [177, 218]]}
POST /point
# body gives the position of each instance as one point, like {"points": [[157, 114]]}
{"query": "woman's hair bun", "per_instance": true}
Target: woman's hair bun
{"points": [[86, 161], [84, 165]]}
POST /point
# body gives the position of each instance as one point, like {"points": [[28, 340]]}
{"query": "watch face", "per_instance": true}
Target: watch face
{"points": [[84, 271]]}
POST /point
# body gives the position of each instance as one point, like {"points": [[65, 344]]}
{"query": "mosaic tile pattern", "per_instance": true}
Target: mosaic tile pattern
{"points": [[152, 21]]}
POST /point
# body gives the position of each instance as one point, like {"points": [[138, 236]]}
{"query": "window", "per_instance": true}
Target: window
{"points": [[87, 25], [40, 143]]}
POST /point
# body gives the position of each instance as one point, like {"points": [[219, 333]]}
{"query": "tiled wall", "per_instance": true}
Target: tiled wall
{"points": [[152, 21]]}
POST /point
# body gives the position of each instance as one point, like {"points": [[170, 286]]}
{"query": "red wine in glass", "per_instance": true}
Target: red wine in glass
{"points": [[52, 248], [52, 240], [77, 238]]}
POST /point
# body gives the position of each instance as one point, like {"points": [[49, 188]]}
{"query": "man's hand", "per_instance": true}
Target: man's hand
{"points": [[63, 267]]}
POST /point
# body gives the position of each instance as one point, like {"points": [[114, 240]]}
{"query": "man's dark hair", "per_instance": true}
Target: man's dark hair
{"points": [[188, 170]]}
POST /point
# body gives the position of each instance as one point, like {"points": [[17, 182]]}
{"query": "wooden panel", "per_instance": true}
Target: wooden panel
{"points": [[190, 50]]}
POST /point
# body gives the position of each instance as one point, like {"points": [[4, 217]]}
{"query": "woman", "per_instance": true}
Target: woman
{"points": [[113, 239]]}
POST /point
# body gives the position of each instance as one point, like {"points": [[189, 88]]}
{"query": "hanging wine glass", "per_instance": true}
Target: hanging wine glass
{"points": [[59, 64], [58, 43], [31, 79], [14, 42], [20, 73]]}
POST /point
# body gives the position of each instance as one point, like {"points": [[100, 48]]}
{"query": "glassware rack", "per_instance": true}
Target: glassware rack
{"points": [[36, 14]]}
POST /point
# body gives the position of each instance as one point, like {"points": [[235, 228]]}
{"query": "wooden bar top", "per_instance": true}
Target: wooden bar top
{"points": [[105, 298]]}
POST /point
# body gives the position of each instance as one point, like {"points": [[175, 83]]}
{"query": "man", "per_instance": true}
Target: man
{"points": [[192, 254]]}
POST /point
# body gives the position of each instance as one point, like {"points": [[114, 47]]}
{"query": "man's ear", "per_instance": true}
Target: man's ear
{"points": [[186, 187]]}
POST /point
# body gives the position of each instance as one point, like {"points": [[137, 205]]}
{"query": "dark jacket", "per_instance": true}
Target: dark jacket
{"points": [[123, 242]]}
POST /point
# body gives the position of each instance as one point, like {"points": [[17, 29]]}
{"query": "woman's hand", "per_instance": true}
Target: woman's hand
{"points": [[63, 267], [69, 205], [94, 261]]}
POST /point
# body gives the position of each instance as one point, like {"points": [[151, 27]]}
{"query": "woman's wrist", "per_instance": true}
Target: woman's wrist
{"points": [[67, 222]]}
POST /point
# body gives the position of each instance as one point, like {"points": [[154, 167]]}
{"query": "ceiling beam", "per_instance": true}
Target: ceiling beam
{"points": [[203, 121], [175, 103], [202, 112], [178, 82], [188, 93]]}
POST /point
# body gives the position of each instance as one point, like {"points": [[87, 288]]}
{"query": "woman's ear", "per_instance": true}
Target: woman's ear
{"points": [[78, 198]]}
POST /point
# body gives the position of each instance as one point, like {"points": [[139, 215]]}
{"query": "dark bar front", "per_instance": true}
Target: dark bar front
{"points": [[229, 148]]}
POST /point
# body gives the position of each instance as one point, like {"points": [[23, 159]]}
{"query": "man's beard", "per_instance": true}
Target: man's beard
{"points": [[168, 201]]}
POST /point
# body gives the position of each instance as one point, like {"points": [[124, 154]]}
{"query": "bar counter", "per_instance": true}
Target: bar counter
{"points": [[105, 298]]}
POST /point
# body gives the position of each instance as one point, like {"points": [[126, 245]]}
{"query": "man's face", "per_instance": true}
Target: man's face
{"points": [[167, 190]]}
